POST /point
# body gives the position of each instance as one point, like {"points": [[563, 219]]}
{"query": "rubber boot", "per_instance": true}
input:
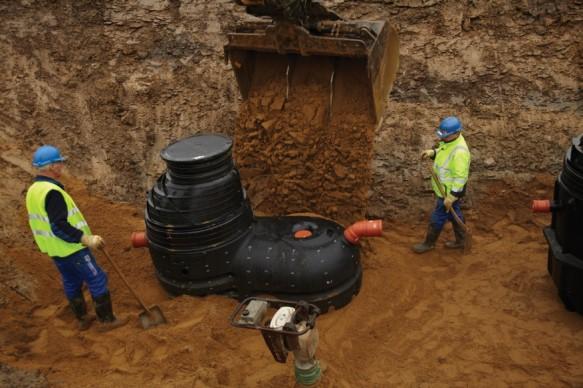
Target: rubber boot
{"points": [[104, 311], [79, 308], [430, 239], [460, 237]]}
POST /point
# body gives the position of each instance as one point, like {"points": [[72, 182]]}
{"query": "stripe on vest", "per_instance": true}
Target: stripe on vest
{"points": [[450, 156], [43, 233], [80, 224], [39, 217]]}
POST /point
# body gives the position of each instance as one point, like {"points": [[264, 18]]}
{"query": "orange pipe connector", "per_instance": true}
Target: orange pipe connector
{"points": [[541, 206], [368, 228], [139, 239]]}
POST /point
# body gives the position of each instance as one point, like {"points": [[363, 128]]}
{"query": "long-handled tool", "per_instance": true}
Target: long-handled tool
{"points": [[468, 232], [150, 317]]}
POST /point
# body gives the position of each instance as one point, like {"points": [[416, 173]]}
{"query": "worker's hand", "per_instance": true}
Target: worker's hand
{"points": [[92, 241], [448, 201], [427, 154]]}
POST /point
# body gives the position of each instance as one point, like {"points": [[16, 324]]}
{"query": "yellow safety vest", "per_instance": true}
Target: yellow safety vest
{"points": [[38, 219], [452, 165]]}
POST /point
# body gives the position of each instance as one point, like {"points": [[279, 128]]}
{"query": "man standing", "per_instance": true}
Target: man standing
{"points": [[60, 231], [452, 166]]}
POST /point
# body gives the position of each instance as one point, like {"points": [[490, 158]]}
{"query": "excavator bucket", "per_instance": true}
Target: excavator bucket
{"points": [[355, 60]]}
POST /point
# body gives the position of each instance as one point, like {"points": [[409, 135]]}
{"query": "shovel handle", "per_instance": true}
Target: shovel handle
{"points": [[442, 191], [121, 275]]}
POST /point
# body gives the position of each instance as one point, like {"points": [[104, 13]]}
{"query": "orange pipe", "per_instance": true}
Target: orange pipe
{"points": [[139, 239], [368, 228], [541, 206]]}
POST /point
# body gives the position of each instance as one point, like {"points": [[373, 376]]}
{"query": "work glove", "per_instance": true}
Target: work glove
{"points": [[92, 241], [448, 201], [427, 154]]}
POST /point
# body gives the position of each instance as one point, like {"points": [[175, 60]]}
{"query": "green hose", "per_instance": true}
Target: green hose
{"points": [[308, 376]]}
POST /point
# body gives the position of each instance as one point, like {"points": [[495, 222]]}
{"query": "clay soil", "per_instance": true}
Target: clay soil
{"points": [[113, 82]]}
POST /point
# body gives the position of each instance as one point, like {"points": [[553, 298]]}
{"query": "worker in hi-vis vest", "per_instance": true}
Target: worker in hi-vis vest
{"points": [[60, 231], [452, 166]]}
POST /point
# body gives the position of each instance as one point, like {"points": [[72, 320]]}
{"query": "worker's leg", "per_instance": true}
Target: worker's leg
{"points": [[96, 280], [72, 280], [72, 284], [91, 272], [438, 219], [458, 231]]}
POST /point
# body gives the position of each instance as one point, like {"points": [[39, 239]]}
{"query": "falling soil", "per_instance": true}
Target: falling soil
{"points": [[304, 143]]}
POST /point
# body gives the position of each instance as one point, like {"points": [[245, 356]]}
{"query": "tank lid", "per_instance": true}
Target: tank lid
{"points": [[197, 148]]}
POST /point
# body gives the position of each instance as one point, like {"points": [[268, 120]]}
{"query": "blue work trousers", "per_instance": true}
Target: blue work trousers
{"points": [[78, 268], [440, 214]]}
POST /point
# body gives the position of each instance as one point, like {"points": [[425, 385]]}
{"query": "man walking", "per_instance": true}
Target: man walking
{"points": [[452, 166], [60, 231]]}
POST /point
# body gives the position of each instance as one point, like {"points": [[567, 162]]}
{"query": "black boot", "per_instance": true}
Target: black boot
{"points": [[460, 237], [79, 308], [104, 311], [430, 239]]}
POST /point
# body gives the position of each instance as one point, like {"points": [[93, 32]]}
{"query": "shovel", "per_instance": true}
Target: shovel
{"points": [[468, 238], [150, 317]]}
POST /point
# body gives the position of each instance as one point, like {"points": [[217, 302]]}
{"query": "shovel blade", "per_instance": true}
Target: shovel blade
{"points": [[152, 318]]}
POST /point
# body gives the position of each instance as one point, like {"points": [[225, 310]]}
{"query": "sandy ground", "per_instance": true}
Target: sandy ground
{"points": [[489, 318]]}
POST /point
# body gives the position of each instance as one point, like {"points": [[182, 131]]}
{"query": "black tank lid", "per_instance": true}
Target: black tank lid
{"points": [[197, 149]]}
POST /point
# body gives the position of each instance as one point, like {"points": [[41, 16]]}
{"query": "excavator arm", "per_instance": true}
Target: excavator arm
{"points": [[306, 13]]}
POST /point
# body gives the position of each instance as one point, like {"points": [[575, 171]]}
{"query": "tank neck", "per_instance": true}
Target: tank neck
{"points": [[198, 158]]}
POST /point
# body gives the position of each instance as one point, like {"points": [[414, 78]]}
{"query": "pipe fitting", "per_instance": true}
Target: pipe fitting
{"points": [[367, 228], [139, 239]]}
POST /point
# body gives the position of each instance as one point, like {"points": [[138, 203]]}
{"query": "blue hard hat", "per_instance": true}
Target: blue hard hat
{"points": [[46, 155], [449, 126]]}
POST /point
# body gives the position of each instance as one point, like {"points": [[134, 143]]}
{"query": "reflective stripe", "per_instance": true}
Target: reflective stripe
{"points": [[453, 180], [81, 224], [73, 212], [43, 233], [38, 217], [445, 163]]}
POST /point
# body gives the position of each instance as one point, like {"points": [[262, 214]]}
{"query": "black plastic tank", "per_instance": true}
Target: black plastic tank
{"points": [[565, 234], [204, 239]]}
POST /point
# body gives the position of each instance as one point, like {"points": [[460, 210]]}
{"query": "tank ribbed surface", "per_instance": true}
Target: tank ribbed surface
{"points": [[565, 261], [203, 237]]}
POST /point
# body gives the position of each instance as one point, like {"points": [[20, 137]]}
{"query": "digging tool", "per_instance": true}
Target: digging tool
{"points": [[468, 237], [150, 317]]}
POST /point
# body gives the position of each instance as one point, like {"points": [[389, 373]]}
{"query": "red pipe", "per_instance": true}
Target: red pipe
{"points": [[368, 228], [541, 206], [139, 239]]}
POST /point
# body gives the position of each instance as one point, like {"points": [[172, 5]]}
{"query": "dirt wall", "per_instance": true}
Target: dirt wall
{"points": [[113, 82]]}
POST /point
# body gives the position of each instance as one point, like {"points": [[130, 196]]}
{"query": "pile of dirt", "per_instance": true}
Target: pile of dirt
{"points": [[305, 145]]}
